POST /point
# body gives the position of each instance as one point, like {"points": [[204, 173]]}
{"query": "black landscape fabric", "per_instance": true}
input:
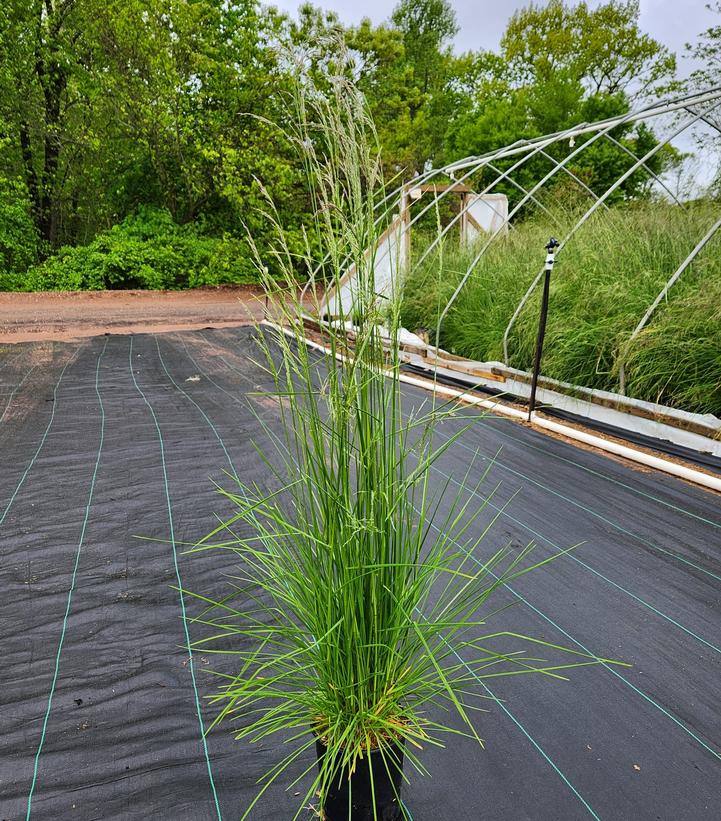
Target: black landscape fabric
{"points": [[102, 711], [704, 460]]}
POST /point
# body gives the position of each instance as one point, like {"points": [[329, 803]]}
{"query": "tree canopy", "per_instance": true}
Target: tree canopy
{"points": [[111, 106]]}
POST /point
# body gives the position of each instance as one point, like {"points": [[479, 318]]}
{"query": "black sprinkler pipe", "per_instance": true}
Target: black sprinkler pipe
{"points": [[550, 259]]}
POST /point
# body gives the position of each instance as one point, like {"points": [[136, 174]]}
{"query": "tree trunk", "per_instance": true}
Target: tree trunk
{"points": [[31, 178], [53, 89]]}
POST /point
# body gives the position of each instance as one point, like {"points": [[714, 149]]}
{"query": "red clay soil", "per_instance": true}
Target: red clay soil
{"points": [[67, 315]]}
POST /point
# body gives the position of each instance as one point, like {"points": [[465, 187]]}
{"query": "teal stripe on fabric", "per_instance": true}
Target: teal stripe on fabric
{"points": [[191, 663], [586, 650], [649, 606], [520, 726], [11, 360], [73, 579], [210, 378], [542, 752], [42, 440], [645, 696], [586, 509], [597, 473], [588, 567], [14, 391], [203, 413]]}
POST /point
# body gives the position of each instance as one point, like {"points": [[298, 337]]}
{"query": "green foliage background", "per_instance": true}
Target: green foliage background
{"points": [[147, 250], [120, 116], [141, 142], [601, 287]]}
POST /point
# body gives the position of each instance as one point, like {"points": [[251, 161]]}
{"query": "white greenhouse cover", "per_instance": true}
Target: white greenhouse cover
{"points": [[488, 213], [388, 262]]}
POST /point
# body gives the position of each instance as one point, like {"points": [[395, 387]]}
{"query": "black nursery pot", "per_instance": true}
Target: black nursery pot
{"points": [[386, 787]]}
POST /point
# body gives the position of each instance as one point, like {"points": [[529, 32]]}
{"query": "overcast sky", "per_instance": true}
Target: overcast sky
{"points": [[482, 22], [673, 22]]}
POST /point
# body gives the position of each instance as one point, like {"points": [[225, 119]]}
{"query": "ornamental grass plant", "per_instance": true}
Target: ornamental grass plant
{"points": [[361, 614]]}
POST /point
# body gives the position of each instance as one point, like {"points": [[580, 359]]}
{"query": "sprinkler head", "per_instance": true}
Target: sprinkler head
{"points": [[552, 244]]}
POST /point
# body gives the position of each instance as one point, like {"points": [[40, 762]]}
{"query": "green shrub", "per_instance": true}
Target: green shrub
{"points": [[19, 241], [146, 250]]}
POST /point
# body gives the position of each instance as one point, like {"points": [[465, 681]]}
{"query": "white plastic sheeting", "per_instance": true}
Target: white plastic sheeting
{"points": [[587, 408], [389, 260], [641, 457], [480, 214], [483, 214]]}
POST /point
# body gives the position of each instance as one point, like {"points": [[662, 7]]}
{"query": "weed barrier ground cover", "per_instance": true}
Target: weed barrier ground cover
{"points": [[665, 448], [101, 706]]}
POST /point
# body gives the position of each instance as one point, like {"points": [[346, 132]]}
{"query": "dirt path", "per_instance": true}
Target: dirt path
{"points": [[54, 315]]}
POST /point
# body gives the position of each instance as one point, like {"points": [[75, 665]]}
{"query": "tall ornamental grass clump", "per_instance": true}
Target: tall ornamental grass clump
{"points": [[358, 615], [604, 280]]}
